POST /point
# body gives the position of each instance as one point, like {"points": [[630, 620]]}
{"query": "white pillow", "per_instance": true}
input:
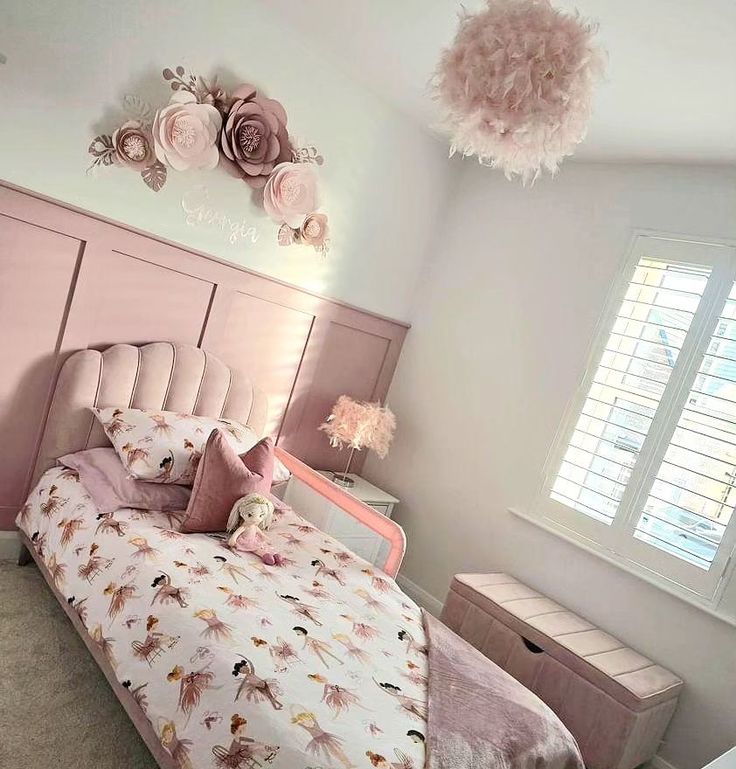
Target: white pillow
{"points": [[163, 446], [280, 472]]}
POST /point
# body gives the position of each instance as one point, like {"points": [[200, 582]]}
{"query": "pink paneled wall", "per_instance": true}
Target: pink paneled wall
{"points": [[69, 280]]}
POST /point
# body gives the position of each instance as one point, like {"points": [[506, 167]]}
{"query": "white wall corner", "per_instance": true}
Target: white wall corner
{"points": [[9, 546], [426, 600]]}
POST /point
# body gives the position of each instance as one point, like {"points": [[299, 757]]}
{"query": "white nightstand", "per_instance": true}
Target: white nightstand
{"points": [[335, 522]]}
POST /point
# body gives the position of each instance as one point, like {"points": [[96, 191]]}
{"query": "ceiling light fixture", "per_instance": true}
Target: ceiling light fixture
{"points": [[516, 85]]}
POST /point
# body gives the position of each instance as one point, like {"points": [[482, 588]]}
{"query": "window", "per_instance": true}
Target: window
{"points": [[645, 465]]}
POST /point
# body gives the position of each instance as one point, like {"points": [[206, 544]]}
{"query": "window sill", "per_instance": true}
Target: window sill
{"points": [[627, 566]]}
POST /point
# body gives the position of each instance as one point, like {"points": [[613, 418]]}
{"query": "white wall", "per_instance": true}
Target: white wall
{"points": [[501, 332], [70, 63]]}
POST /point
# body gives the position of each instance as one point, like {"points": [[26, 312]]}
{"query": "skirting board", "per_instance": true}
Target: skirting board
{"points": [[425, 600], [9, 546], [659, 763]]}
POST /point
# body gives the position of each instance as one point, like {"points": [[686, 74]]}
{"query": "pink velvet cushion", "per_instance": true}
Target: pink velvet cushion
{"points": [[107, 481], [223, 477]]}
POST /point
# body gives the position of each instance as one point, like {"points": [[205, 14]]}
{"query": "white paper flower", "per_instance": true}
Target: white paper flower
{"points": [[185, 133]]}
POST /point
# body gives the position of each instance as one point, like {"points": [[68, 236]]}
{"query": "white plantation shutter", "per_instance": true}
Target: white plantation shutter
{"points": [[646, 467], [691, 500], [628, 385]]}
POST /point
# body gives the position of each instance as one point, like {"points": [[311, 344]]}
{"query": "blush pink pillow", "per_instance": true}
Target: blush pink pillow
{"points": [[109, 484], [222, 478]]}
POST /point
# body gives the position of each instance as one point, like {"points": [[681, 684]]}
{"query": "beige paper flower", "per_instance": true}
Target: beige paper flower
{"points": [[133, 146], [315, 230]]}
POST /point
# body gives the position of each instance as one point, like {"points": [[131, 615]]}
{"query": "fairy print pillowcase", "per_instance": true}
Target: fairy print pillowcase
{"points": [[163, 446]]}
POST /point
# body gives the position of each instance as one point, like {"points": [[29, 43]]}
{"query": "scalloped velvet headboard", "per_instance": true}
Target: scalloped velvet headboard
{"points": [[161, 375]]}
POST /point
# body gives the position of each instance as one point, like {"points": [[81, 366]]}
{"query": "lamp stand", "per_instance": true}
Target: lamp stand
{"points": [[343, 479]]}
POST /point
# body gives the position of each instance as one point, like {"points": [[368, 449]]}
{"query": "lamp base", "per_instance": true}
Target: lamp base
{"points": [[343, 480]]}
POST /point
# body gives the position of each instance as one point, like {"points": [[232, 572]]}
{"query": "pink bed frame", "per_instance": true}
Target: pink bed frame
{"points": [[142, 724], [187, 378]]}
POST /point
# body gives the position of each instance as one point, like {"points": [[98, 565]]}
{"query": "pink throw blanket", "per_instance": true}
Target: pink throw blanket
{"points": [[482, 718]]}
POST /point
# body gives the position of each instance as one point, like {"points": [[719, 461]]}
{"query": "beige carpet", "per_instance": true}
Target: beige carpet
{"points": [[56, 708]]}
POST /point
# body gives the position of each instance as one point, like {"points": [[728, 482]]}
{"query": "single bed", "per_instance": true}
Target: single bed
{"points": [[223, 662], [219, 660]]}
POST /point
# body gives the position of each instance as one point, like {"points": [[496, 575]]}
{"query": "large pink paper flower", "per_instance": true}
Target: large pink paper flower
{"points": [[254, 138], [185, 133], [291, 193]]}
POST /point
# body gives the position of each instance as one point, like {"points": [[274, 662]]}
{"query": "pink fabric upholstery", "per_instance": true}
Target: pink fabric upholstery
{"points": [[105, 478], [222, 478], [615, 701], [161, 375]]}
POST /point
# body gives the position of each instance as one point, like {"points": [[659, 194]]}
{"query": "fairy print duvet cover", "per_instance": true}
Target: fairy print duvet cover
{"points": [[318, 663]]}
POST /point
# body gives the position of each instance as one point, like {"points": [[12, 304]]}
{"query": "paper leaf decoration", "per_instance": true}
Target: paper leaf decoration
{"points": [[155, 176], [137, 108], [102, 151], [286, 235]]}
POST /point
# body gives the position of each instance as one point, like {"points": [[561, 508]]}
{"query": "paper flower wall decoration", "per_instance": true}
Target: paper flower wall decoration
{"points": [[205, 127], [358, 425], [516, 85]]}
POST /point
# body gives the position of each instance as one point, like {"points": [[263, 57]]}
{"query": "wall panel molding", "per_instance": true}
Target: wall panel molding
{"points": [[71, 280]]}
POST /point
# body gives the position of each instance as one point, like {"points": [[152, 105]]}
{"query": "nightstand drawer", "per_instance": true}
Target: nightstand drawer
{"points": [[379, 507]]}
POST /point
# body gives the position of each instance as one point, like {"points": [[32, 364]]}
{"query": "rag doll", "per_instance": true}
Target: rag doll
{"points": [[252, 515]]}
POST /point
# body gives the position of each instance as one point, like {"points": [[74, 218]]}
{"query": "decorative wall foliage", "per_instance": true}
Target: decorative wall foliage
{"points": [[243, 132]]}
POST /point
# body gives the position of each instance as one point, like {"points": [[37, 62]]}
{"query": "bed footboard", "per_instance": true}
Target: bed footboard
{"points": [[384, 527]]}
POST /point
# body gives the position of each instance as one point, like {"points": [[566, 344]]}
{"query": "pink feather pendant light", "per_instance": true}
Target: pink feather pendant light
{"points": [[516, 85]]}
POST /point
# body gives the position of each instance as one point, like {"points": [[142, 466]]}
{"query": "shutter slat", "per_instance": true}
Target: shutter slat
{"points": [[693, 496], [628, 384]]}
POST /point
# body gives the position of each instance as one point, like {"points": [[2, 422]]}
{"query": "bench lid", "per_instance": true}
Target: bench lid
{"points": [[626, 675]]}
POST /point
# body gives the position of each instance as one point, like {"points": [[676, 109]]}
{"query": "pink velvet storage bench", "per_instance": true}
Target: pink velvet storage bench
{"points": [[616, 703]]}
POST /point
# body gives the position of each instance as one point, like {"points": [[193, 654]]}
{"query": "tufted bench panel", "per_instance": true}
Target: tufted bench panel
{"points": [[616, 702]]}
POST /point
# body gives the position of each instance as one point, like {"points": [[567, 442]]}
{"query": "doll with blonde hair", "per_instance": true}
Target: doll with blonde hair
{"points": [[252, 515]]}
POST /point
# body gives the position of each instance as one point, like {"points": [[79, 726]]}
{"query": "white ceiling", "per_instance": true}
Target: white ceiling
{"points": [[670, 93]]}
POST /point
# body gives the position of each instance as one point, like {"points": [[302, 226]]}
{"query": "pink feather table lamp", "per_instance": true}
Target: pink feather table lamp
{"points": [[358, 425]]}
